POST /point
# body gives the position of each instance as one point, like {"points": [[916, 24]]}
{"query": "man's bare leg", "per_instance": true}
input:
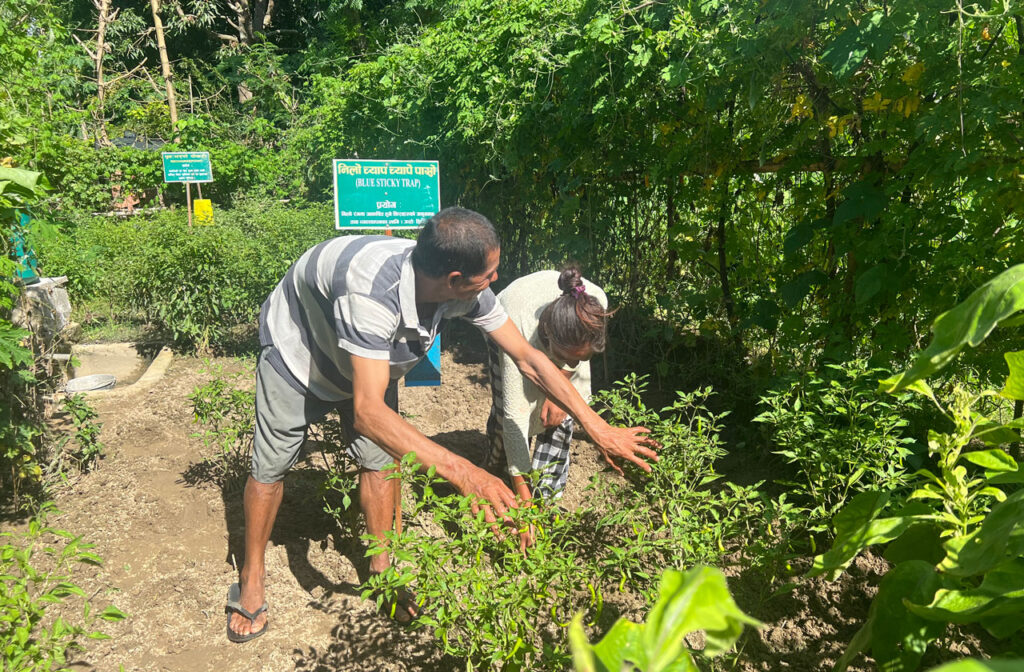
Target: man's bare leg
{"points": [[377, 497], [261, 502]]}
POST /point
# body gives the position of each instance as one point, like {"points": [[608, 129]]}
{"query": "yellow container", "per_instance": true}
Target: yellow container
{"points": [[202, 210]]}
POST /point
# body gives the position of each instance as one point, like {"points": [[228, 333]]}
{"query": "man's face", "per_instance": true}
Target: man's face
{"points": [[469, 286]]}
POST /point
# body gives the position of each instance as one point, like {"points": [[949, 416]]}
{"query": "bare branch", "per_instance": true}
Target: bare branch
{"points": [[91, 52], [127, 74], [641, 6]]}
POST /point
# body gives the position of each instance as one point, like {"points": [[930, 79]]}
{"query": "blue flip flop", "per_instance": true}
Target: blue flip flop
{"points": [[234, 605]]}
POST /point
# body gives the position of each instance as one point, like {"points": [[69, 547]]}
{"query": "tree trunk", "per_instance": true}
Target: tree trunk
{"points": [[725, 210], [165, 67], [103, 20], [672, 264]]}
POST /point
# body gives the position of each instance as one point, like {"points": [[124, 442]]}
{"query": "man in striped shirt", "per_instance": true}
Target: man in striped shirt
{"points": [[349, 319]]}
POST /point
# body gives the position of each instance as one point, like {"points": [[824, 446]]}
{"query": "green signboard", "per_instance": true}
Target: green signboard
{"points": [[187, 167], [385, 194]]}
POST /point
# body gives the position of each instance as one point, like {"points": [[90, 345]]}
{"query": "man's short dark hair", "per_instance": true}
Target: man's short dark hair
{"points": [[455, 239]]}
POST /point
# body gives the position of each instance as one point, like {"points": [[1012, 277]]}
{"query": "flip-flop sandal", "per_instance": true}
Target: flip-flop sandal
{"points": [[235, 606]]}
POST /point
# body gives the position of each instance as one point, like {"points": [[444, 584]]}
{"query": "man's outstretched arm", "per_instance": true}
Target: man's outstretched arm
{"points": [[376, 421], [627, 443]]}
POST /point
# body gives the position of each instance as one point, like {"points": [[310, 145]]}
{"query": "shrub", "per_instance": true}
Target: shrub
{"points": [[21, 426], [195, 283], [87, 448]]}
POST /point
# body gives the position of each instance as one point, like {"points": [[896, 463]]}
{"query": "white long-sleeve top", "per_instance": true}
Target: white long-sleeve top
{"points": [[524, 300]]}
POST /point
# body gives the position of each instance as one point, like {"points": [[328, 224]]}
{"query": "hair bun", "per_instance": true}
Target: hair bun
{"points": [[569, 279]]}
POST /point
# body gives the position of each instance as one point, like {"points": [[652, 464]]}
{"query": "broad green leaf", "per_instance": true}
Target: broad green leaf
{"points": [[861, 199], [870, 283], [921, 541], [1014, 388], [899, 639], [582, 653], [621, 644], [687, 602], [993, 460], [870, 37], [858, 526], [1001, 593], [972, 665], [28, 181], [800, 235], [795, 290], [918, 386], [966, 324], [993, 433]]}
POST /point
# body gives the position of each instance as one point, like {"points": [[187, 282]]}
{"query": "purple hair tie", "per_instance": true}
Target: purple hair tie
{"points": [[579, 290]]}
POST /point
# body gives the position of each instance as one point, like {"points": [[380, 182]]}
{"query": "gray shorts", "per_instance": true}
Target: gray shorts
{"points": [[283, 415]]}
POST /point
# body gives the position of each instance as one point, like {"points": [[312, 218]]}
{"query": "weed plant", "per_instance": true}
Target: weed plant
{"points": [[37, 591]]}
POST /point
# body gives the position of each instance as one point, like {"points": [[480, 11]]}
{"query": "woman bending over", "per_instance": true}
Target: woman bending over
{"points": [[563, 315]]}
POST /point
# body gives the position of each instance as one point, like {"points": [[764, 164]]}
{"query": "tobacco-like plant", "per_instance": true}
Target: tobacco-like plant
{"points": [[957, 541], [687, 602]]}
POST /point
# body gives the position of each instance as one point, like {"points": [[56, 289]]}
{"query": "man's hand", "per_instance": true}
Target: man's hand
{"points": [[627, 443], [488, 491], [551, 415]]}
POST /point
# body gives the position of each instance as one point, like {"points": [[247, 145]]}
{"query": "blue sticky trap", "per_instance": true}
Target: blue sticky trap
{"points": [[427, 373]]}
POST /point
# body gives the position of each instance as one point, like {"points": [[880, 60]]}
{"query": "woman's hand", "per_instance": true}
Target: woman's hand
{"points": [[627, 443], [551, 415]]}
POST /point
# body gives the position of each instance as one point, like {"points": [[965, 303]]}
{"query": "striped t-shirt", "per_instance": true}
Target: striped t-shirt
{"points": [[355, 295]]}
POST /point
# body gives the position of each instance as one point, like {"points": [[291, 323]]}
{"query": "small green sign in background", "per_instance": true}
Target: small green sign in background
{"points": [[383, 194], [187, 167]]}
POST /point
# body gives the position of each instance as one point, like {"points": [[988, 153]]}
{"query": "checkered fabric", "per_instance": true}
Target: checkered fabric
{"points": [[551, 447]]}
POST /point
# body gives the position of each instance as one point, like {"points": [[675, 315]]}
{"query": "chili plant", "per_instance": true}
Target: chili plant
{"points": [[35, 575], [678, 515], [227, 413], [840, 436], [88, 447], [487, 601]]}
